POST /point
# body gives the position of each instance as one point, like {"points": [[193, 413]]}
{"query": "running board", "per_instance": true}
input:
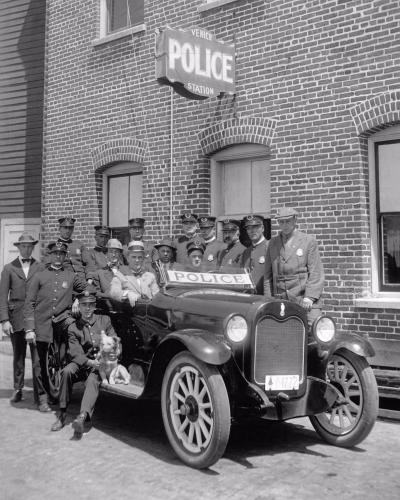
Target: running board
{"points": [[130, 390]]}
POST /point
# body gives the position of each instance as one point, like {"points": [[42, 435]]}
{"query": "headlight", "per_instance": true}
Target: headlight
{"points": [[236, 329], [324, 329]]}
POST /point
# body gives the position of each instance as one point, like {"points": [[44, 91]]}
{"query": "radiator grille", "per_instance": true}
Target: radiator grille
{"points": [[279, 348]]}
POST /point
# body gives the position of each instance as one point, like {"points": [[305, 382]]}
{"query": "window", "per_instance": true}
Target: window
{"points": [[387, 165], [120, 18], [122, 197], [123, 14], [240, 182], [212, 4]]}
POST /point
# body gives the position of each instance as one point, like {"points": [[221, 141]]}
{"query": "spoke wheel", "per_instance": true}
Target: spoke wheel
{"points": [[349, 421], [196, 411], [53, 368]]}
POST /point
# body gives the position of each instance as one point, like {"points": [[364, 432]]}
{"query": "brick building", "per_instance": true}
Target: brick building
{"points": [[314, 123]]}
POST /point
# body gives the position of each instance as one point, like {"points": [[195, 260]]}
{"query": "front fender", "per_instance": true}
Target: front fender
{"points": [[207, 347], [354, 343]]}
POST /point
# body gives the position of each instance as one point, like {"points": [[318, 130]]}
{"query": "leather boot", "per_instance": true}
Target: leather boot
{"points": [[59, 423], [44, 407], [79, 423], [16, 397]]}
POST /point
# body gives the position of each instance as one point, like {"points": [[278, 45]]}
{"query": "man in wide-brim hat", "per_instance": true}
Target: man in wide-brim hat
{"points": [[166, 261], [293, 267], [15, 279]]}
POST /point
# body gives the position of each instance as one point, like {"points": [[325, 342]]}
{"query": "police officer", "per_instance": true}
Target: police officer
{"points": [[136, 233], [229, 257], [195, 257], [190, 227], [47, 312], [75, 249], [84, 335], [166, 259], [253, 257], [15, 279], [96, 258], [293, 267], [213, 246]]}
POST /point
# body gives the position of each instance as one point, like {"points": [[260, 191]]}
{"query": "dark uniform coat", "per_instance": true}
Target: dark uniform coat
{"points": [[231, 255], [49, 299], [211, 253], [73, 259], [13, 288], [296, 271], [94, 259], [181, 251], [253, 258], [84, 338]]}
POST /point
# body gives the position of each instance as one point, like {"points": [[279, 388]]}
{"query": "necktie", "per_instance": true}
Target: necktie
{"points": [[26, 260]]}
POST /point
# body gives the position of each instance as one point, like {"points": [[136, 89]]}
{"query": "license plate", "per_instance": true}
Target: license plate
{"points": [[282, 382]]}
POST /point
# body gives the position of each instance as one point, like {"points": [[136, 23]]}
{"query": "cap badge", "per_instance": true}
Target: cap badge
{"points": [[187, 216], [250, 217]]}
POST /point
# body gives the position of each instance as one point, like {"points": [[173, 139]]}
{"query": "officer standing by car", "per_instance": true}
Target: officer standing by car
{"points": [[15, 279], [293, 267], [166, 259], [47, 313], [230, 256], [76, 249], [253, 258], [190, 227], [136, 233], [96, 258], [207, 231], [84, 336]]}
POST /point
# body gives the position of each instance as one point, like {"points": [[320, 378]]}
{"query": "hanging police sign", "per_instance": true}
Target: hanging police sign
{"points": [[194, 63]]}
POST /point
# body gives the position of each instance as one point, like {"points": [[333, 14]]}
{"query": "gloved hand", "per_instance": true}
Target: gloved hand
{"points": [[307, 303], [7, 328], [30, 337]]}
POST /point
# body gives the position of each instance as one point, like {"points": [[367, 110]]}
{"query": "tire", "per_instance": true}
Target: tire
{"points": [[199, 438], [53, 369], [348, 424]]}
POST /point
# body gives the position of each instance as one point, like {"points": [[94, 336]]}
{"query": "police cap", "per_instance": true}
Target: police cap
{"points": [[230, 224], [67, 221], [57, 246], [188, 217], [196, 244], [136, 222], [207, 221], [253, 220]]}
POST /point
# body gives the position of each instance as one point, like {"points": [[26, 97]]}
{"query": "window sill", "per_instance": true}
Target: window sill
{"points": [[392, 302], [118, 34], [214, 5]]}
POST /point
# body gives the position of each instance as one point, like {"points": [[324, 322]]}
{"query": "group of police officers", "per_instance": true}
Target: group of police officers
{"points": [[36, 299]]}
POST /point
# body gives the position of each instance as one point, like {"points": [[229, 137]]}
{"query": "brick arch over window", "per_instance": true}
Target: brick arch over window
{"points": [[376, 113], [118, 150], [237, 131]]}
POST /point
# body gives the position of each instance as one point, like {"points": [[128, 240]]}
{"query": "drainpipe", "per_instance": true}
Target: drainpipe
{"points": [[171, 160]]}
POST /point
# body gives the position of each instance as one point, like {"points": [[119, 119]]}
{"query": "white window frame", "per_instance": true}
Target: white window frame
{"points": [[242, 151], [104, 37], [213, 4], [123, 168], [376, 298]]}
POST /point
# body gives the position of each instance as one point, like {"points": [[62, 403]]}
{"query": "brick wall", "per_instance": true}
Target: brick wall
{"points": [[304, 70]]}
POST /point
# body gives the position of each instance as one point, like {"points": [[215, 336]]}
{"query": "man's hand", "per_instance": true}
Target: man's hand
{"points": [[75, 307], [30, 337], [93, 363], [7, 328], [307, 303]]}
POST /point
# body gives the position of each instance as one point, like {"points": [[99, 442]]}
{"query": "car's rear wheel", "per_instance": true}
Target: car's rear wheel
{"points": [[349, 423], [53, 368], [196, 410]]}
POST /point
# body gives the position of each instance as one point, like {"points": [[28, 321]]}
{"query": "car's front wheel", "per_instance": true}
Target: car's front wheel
{"points": [[196, 410], [350, 420]]}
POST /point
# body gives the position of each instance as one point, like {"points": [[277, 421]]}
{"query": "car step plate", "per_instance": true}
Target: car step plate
{"points": [[282, 382]]}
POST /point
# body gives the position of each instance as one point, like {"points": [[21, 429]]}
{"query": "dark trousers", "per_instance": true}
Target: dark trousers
{"points": [[40, 378], [19, 353], [73, 373]]}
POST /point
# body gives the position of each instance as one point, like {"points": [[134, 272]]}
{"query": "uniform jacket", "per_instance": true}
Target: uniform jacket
{"points": [[73, 259], [13, 288], [49, 299], [231, 255], [295, 272], [211, 253], [84, 338], [144, 285], [181, 250], [253, 258], [94, 259]]}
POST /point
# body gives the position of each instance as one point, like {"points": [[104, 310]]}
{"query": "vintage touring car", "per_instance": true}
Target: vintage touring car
{"points": [[212, 351]]}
